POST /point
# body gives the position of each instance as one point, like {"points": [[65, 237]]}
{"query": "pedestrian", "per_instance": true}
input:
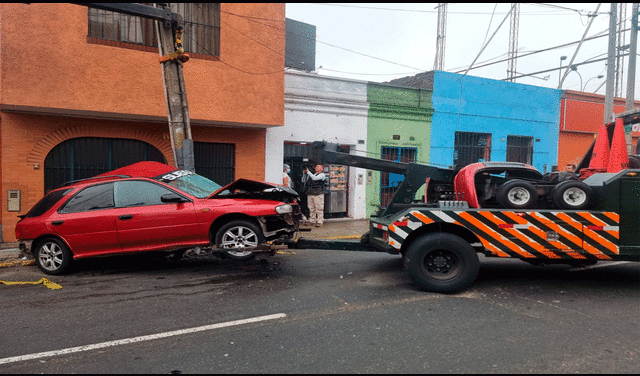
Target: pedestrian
{"points": [[568, 173], [315, 194], [286, 179]]}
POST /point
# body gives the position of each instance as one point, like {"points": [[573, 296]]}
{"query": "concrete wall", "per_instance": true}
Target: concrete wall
{"points": [[320, 108], [474, 104], [402, 112]]}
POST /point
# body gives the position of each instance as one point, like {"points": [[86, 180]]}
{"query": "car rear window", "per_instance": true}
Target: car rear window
{"points": [[47, 202]]}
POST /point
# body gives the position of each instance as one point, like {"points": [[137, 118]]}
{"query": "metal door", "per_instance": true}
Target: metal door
{"points": [[215, 161], [85, 157]]}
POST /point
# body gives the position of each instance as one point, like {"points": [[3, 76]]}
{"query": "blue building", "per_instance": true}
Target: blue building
{"points": [[479, 119]]}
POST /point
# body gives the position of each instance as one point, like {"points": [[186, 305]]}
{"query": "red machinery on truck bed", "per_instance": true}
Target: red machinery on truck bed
{"points": [[502, 210]]}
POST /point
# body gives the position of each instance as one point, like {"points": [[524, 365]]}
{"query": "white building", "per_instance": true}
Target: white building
{"points": [[320, 108]]}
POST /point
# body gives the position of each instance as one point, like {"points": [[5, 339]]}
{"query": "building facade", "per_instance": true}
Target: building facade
{"points": [[581, 115], [320, 108], [478, 119], [81, 93], [398, 129]]}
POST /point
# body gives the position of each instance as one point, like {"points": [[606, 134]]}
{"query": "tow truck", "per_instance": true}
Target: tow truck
{"points": [[440, 236]]}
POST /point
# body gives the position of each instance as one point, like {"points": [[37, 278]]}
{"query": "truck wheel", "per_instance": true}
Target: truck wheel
{"points": [[441, 262], [517, 194], [238, 234], [572, 195]]}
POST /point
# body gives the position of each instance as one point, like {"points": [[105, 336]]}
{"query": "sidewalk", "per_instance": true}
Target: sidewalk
{"points": [[338, 228]]}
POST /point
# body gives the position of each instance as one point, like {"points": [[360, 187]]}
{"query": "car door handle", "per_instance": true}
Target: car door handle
{"points": [[125, 217], [57, 223]]}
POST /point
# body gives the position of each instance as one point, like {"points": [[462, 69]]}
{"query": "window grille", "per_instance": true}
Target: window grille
{"points": [[471, 147], [201, 27], [389, 182], [520, 149]]}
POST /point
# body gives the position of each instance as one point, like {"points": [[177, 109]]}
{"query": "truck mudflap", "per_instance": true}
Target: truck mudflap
{"points": [[556, 235]]}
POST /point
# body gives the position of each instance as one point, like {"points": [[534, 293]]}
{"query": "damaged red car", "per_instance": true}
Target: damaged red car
{"points": [[150, 206]]}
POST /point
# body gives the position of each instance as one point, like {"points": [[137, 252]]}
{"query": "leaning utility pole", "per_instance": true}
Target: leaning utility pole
{"points": [[171, 58], [170, 26]]}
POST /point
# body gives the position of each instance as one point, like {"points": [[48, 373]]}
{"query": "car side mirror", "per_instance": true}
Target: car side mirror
{"points": [[171, 197]]}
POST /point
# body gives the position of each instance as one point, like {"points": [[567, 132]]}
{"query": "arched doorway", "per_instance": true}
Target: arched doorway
{"points": [[84, 157]]}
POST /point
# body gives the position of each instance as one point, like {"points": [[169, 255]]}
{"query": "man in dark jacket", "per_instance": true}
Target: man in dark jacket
{"points": [[315, 194]]}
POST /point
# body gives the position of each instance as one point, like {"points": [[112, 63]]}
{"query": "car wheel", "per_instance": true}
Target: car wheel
{"points": [[53, 256], [441, 262], [239, 234], [572, 195], [517, 194]]}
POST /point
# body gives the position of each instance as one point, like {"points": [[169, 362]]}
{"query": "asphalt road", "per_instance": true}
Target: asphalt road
{"points": [[336, 312]]}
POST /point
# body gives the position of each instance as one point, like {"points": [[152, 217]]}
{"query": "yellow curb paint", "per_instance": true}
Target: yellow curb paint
{"points": [[285, 252], [345, 237], [44, 281], [13, 263]]}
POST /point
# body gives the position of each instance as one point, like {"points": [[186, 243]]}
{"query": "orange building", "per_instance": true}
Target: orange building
{"points": [[581, 115], [81, 93]]}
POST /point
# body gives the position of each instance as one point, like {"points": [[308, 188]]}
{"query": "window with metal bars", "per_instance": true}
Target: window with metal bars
{"points": [[520, 149], [201, 27], [389, 181], [471, 147]]}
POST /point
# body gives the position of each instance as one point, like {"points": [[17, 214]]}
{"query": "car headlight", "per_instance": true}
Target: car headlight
{"points": [[283, 209]]}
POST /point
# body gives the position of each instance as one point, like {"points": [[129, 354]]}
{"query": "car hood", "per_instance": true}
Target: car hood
{"points": [[245, 188]]}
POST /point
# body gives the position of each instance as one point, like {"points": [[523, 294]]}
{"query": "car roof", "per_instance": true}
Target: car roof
{"points": [[145, 169]]}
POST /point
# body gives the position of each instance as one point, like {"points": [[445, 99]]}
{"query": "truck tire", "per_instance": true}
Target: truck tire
{"points": [[572, 195], [517, 194], [441, 262]]}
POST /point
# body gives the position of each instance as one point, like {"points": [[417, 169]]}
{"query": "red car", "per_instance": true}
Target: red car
{"points": [[150, 206]]}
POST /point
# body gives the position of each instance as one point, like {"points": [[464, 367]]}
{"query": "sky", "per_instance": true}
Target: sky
{"points": [[383, 41]]}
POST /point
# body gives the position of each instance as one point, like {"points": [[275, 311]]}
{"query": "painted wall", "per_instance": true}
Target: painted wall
{"points": [[397, 111], [320, 108], [51, 64], [581, 116], [474, 104]]}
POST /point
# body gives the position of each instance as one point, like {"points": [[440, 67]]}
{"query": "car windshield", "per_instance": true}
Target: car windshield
{"points": [[189, 182]]}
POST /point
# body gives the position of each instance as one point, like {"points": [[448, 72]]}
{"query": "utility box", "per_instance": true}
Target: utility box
{"points": [[13, 205]]}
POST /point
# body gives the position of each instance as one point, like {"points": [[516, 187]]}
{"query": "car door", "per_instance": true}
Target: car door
{"points": [[144, 222], [88, 222]]}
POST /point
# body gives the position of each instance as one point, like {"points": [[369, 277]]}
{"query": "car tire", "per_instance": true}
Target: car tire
{"points": [[239, 233], [53, 256], [572, 195], [441, 262], [517, 194]]}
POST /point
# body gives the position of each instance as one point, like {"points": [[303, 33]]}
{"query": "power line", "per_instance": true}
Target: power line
{"points": [[434, 11]]}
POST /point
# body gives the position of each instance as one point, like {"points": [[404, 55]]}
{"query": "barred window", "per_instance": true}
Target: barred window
{"points": [[520, 149], [471, 147], [201, 27]]}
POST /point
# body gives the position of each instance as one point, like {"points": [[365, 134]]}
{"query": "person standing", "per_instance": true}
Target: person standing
{"points": [[315, 194], [286, 179]]}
